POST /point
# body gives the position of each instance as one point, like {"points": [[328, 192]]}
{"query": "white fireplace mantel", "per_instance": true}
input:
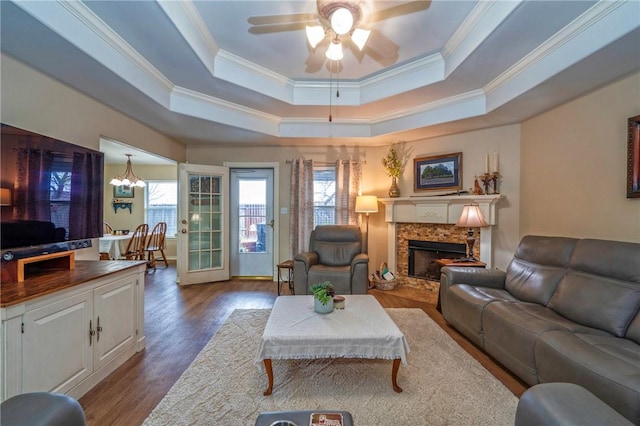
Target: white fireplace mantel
{"points": [[439, 209]]}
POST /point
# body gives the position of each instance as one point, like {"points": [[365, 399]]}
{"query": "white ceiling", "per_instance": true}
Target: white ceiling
{"points": [[200, 72]]}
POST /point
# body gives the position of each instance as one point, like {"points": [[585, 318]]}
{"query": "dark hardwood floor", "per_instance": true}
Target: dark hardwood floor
{"points": [[179, 321]]}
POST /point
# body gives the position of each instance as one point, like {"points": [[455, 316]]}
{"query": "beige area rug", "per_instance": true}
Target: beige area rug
{"points": [[443, 385]]}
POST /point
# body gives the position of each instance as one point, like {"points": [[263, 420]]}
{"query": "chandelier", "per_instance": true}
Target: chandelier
{"points": [[337, 19], [128, 178]]}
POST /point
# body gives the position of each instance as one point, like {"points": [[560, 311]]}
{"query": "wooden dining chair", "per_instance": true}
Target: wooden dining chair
{"points": [[156, 243], [106, 230], [135, 248]]}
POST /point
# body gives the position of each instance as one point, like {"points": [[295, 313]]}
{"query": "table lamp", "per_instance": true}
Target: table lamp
{"points": [[471, 217], [366, 204]]}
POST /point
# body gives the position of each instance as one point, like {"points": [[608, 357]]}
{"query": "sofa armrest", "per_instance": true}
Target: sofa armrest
{"points": [[479, 277], [360, 258], [301, 264], [452, 275]]}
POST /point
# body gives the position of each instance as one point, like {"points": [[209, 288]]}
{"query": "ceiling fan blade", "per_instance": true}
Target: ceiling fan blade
{"points": [[316, 57], [381, 46], [403, 9], [274, 28], [282, 19]]}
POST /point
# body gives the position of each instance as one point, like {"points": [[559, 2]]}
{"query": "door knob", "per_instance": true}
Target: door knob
{"points": [[184, 231], [271, 223]]}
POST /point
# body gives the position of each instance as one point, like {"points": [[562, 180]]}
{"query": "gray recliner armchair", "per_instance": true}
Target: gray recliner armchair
{"points": [[335, 255]]}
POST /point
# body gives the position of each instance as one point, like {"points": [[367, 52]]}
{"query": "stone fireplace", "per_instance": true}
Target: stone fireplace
{"points": [[432, 219], [423, 257]]}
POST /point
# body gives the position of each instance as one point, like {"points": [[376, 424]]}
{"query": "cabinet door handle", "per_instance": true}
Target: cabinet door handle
{"points": [[91, 332], [98, 330]]}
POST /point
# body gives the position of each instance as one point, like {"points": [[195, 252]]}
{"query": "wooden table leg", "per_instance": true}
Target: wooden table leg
{"points": [[394, 374], [267, 366]]}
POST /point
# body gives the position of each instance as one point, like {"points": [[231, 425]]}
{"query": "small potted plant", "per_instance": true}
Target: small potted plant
{"points": [[323, 293]]}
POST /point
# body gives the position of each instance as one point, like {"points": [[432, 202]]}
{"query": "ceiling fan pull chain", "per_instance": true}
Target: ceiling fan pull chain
{"points": [[330, 85]]}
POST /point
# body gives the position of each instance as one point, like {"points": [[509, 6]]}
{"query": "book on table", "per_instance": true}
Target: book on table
{"points": [[326, 419]]}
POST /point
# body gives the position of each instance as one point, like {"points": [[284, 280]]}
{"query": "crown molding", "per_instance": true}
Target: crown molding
{"points": [[571, 44], [187, 20], [483, 20]]}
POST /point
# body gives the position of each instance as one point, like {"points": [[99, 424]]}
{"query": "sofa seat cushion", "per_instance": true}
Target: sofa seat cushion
{"points": [[512, 328], [338, 276], [465, 304], [607, 366]]}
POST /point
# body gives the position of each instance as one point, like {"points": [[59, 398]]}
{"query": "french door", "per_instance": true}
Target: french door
{"points": [[203, 224]]}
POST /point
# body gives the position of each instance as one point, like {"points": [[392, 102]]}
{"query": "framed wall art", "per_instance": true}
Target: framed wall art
{"points": [[123, 191], [633, 158], [438, 172]]}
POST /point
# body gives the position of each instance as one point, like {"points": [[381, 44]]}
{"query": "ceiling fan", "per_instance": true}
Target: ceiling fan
{"points": [[337, 22]]}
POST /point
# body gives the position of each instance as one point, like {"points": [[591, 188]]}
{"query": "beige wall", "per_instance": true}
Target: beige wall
{"points": [[473, 145], [573, 178], [32, 101]]}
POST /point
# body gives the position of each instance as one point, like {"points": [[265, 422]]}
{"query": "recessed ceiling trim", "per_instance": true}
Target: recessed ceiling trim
{"points": [[249, 75], [483, 20], [196, 104], [609, 20], [189, 23], [419, 73], [465, 105], [76, 23]]}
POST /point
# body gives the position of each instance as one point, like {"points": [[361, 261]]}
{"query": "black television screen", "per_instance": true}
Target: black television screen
{"points": [[54, 190]]}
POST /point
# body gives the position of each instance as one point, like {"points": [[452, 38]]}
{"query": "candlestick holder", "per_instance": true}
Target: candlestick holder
{"points": [[486, 181], [494, 180]]}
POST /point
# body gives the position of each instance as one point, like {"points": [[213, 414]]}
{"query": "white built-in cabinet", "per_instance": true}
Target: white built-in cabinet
{"points": [[70, 340]]}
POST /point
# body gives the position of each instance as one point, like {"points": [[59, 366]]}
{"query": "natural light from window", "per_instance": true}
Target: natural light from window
{"points": [[161, 205]]}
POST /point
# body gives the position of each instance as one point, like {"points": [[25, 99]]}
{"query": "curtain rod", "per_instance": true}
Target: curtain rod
{"points": [[323, 163]]}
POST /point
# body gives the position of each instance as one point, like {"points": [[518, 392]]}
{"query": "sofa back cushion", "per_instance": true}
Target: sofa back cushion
{"points": [[602, 286], [336, 245], [633, 332], [538, 266]]}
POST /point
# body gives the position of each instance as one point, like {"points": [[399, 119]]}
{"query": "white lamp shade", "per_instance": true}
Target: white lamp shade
{"points": [[471, 217], [315, 34], [360, 37], [366, 204], [341, 21], [334, 52]]}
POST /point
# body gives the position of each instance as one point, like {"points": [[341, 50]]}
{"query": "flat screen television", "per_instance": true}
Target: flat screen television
{"points": [[52, 191]]}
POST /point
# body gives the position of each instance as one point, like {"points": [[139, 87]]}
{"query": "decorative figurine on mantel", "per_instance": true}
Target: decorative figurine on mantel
{"points": [[393, 164]]}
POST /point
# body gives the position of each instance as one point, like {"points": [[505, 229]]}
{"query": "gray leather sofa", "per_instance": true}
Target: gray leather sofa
{"points": [[565, 310], [335, 255]]}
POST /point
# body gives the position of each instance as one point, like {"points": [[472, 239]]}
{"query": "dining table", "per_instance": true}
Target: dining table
{"points": [[115, 245]]}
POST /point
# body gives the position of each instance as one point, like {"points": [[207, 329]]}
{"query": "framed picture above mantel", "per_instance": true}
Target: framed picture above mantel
{"points": [[633, 157], [438, 172]]}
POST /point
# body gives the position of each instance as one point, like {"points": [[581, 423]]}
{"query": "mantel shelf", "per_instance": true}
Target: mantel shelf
{"points": [[437, 209]]}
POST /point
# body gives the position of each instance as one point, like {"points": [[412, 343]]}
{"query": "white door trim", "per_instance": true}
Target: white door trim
{"points": [[276, 201]]}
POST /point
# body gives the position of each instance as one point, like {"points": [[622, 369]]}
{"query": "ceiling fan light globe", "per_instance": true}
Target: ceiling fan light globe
{"points": [[115, 182], [360, 37], [140, 183], [315, 34], [126, 182], [341, 21], [334, 52]]}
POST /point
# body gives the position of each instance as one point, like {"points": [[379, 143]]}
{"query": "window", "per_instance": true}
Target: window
{"points": [[324, 196], [161, 204]]}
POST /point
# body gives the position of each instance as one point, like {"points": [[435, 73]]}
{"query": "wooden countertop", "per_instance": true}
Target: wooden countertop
{"points": [[47, 282]]}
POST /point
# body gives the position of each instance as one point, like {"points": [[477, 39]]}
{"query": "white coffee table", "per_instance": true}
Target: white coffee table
{"points": [[362, 330]]}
